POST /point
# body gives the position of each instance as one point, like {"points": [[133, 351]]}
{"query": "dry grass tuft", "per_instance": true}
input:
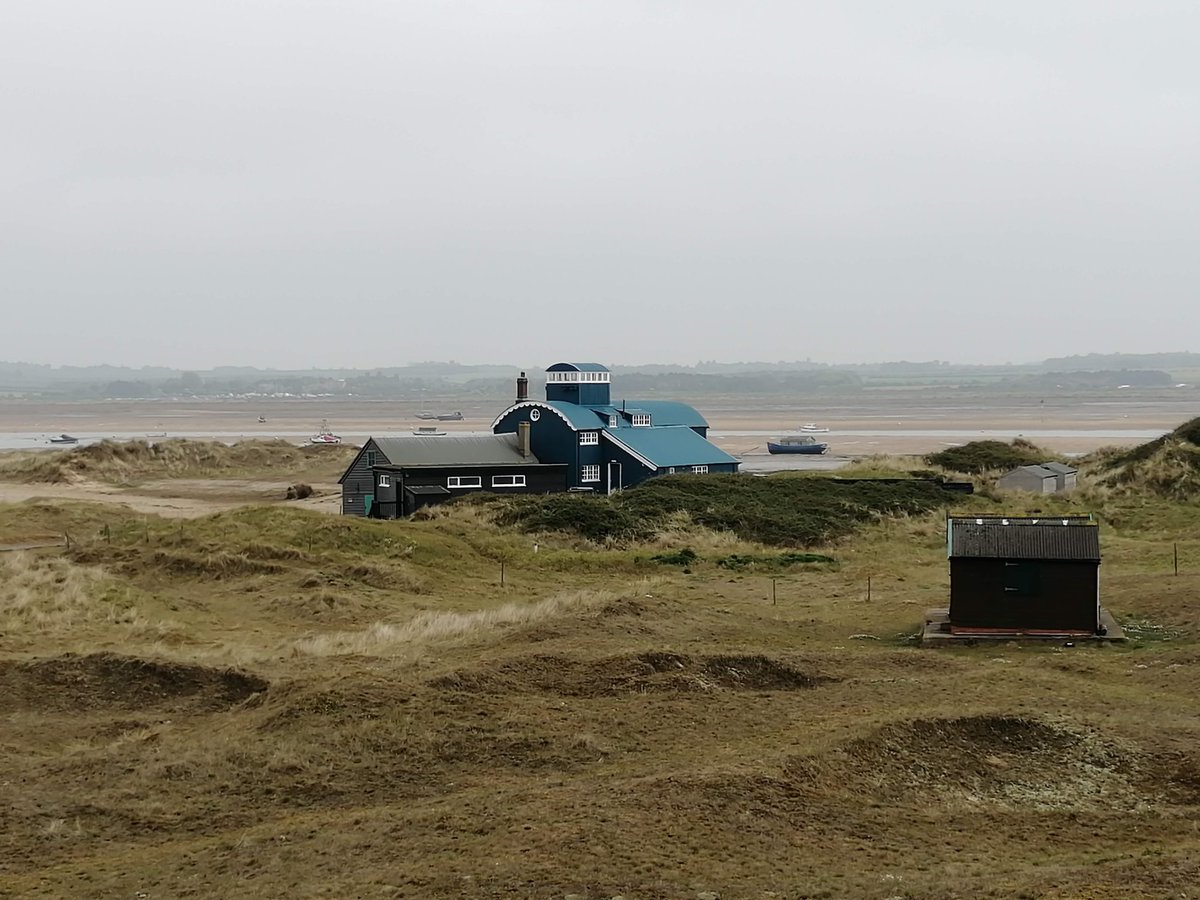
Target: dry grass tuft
{"points": [[52, 594], [409, 639], [123, 461]]}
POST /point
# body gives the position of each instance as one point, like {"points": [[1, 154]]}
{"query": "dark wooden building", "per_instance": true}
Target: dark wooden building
{"points": [[395, 476], [1021, 575], [609, 445]]}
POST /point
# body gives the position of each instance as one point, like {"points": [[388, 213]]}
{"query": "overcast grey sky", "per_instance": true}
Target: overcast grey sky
{"points": [[375, 182]]}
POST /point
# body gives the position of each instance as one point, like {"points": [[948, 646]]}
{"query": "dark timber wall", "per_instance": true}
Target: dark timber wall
{"points": [[1031, 595]]}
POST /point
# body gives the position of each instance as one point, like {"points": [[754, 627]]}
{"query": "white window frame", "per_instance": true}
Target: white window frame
{"points": [[614, 421], [589, 438], [699, 470], [639, 420], [385, 481], [464, 481], [512, 482], [589, 473], [579, 377]]}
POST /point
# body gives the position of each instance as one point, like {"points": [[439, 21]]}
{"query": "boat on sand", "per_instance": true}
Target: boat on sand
{"points": [[325, 436], [798, 443]]}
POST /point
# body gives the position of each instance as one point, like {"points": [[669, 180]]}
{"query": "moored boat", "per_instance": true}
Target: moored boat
{"points": [[325, 436], [813, 428], [797, 444], [64, 439]]}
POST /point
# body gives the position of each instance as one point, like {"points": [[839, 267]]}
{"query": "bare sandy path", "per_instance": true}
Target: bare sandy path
{"points": [[182, 500]]}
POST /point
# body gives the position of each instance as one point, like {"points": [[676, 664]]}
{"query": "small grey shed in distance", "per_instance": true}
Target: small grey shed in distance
{"points": [[1045, 478]]}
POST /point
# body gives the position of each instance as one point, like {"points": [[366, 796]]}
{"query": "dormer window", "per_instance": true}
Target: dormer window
{"points": [[639, 419], [613, 421]]}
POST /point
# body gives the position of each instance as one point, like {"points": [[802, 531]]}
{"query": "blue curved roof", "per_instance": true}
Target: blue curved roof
{"points": [[576, 367], [581, 418], [586, 418]]}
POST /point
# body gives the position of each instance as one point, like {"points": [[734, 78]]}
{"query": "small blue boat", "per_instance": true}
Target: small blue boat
{"points": [[797, 444]]}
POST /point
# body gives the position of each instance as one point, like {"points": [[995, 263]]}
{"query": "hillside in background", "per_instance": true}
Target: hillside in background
{"points": [[450, 380], [1168, 466]]}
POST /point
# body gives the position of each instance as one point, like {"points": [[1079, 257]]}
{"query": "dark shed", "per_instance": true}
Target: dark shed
{"points": [[1024, 575], [395, 476]]}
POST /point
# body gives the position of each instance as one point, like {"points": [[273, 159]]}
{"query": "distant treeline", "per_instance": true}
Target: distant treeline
{"points": [[437, 382]]}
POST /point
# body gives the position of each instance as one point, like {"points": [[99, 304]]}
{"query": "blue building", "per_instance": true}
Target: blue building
{"points": [[607, 446]]}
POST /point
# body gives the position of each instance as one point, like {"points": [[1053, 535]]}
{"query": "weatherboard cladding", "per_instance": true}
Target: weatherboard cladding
{"points": [[1044, 541]]}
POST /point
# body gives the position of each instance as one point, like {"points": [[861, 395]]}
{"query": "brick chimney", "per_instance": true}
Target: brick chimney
{"points": [[523, 439]]}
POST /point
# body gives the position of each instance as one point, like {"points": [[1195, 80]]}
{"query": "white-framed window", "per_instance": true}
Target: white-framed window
{"points": [[589, 473], [464, 481], [639, 418], [671, 471], [385, 480], [588, 437], [613, 421], [508, 481], [699, 470], [577, 377]]}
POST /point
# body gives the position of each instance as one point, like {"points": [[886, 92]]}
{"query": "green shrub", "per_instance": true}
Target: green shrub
{"points": [[980, 456], [594, 518], [785, 512], [684, 557], [739, 561]]}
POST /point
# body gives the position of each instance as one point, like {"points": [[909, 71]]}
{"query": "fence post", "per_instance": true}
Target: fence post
{"points": [[868, 588], [501, 573], [774, 602], [1176, 560]]}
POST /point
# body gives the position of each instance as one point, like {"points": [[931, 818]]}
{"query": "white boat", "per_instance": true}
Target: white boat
{"points": [[325, 436], [813, 428]]}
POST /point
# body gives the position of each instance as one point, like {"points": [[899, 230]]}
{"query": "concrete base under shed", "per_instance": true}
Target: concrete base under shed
{"points": [[937, 632]]}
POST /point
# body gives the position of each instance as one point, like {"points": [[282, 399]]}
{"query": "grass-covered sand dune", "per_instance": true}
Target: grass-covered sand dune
{"points": [[507, 700], [126, 461], [1167, 467]]}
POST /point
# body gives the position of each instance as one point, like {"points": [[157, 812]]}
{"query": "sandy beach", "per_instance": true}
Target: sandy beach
{"points": [[859, 426]]}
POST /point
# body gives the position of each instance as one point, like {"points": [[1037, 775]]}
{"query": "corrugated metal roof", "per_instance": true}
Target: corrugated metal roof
{"points": [[1022, 520], [669, 412], [670, 445], [456, 450], [1024, 540]]}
